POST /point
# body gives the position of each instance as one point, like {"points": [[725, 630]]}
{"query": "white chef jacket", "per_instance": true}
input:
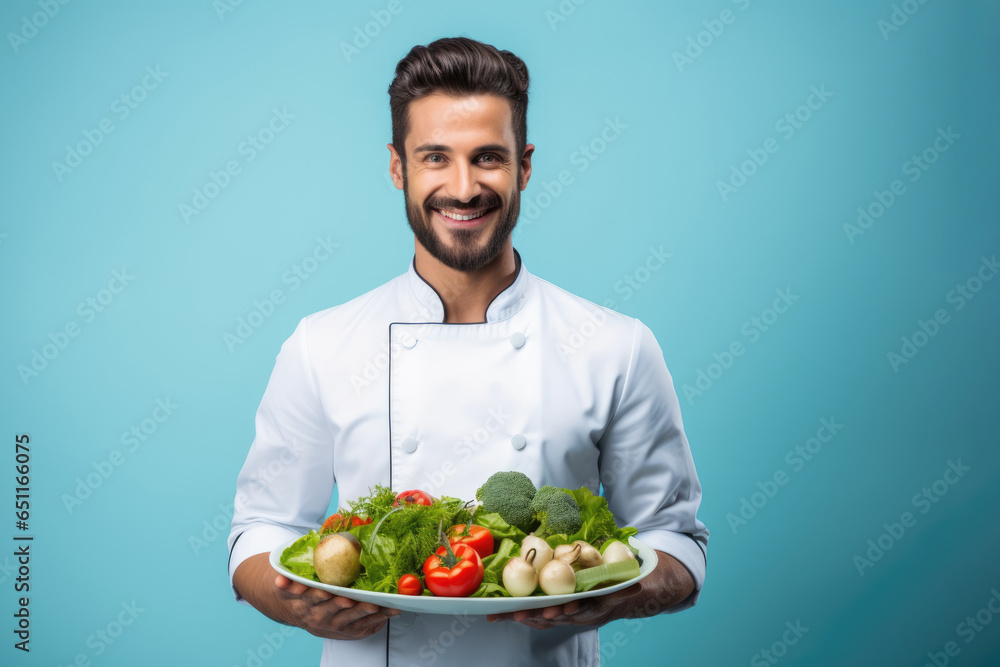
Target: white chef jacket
{"points": [[381, 390]]}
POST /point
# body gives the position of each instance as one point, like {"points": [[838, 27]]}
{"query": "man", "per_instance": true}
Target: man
{"points": [[470, 365]]}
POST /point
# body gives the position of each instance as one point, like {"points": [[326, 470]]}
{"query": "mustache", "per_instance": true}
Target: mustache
{"points": [[482, 201]]}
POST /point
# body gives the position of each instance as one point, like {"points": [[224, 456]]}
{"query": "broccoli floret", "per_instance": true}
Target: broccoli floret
{"points": [[509, 494], [557, 511]]}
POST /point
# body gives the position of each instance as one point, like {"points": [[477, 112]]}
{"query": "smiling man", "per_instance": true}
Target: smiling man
{"points": [[478, 380]]}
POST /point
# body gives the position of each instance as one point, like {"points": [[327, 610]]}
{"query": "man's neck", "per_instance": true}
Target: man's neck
{"points": [[467, 295]]}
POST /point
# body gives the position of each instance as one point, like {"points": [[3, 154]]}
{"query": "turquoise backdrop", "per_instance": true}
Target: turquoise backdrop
{"points": [[798, 198]]}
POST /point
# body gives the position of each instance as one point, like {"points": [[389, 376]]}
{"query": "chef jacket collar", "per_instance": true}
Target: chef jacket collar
{"points": [[503, 305]]}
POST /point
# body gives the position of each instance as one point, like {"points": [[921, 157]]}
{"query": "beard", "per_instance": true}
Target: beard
{"points": [[467, 252]]}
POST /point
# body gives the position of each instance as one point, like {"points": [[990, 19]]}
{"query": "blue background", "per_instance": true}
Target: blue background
{"points": [[145, 534]]}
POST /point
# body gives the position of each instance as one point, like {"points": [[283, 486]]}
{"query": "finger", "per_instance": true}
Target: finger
{"points": [[348, 603], [553, 612], [343, 618], [521, 616], [316, 595], [571, 607], [289, 586]]}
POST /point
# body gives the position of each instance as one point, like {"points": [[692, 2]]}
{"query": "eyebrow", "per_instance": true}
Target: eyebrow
{"points": [[441, 148]]}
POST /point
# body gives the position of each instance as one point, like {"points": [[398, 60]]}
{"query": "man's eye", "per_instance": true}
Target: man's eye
{"points": [[489, 159], [434, 157]]}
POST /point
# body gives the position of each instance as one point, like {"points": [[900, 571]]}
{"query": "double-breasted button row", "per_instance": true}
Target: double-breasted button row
{"points": [[517, 441]]}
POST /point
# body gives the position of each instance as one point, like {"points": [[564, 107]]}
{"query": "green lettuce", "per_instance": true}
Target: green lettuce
{"points": [[598, 521], [298, 557], [500, 528], [494, 563]]}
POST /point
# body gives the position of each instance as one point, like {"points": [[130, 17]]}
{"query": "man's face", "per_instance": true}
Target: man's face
{"points": [[461, 162]]}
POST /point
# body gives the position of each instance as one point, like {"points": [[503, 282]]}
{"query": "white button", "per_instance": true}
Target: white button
{"points": [[517, 441], [408, 340], [517, 340], [409, 445]]}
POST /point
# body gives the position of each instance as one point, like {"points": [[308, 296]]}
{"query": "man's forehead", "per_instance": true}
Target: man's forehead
{"points": [[439, 118]]}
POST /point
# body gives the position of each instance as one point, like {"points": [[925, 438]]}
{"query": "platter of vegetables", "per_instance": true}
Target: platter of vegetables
{"points": [[516, 547]]}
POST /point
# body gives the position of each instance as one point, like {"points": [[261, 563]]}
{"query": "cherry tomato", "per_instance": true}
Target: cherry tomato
{"points": [[414, 496], [477, 537], [409, 584], [454, 577]]}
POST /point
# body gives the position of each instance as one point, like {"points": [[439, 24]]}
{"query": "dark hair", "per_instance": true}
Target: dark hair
{"points": [[458, 66]]}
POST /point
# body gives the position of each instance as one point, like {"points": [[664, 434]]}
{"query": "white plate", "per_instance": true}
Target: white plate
{"points": [[426, 604]]}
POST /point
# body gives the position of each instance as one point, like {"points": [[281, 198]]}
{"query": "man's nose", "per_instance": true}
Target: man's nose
{"points": [[464, 186]]}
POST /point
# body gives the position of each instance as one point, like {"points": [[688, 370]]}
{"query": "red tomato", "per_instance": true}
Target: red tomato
{"points": [[478, 537], [336, 523], [414, 496], [409, 584], [456, 580]]}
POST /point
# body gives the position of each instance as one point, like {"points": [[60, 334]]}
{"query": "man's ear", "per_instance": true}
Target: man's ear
{"points": [[526, 165], [395, 167]]}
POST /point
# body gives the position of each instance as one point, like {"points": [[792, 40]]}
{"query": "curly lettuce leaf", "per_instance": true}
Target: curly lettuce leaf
{"points": [[486, 590], [298, 557], [501, 529], [494, 563], [598, 521]]}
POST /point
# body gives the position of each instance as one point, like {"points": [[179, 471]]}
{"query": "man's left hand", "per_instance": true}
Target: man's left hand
{"points": [[667, 585]]}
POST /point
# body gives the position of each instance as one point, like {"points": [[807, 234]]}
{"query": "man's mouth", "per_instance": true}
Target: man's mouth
{"points": [[463, 216]]}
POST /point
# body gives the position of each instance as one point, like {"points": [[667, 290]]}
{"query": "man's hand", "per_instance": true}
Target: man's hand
{"points": [[667, 585], [316, 611]]}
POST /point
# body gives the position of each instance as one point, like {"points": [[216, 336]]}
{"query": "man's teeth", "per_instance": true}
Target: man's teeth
{"points": [[455, 216]]}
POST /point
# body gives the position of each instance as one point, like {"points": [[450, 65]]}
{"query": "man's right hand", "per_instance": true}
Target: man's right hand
{"points": [[316, 611]]}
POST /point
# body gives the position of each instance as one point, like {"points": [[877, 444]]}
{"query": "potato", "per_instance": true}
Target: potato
{"points": [[337, 559]]}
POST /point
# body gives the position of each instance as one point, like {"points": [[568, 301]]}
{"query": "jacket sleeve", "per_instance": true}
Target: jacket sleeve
{"points": [[287, 481], [646, 467]]}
